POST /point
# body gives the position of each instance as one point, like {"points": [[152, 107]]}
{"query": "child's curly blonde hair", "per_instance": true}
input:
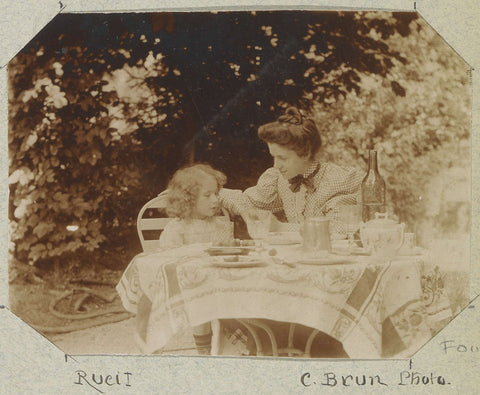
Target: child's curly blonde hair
{"points": [[185, 185]]}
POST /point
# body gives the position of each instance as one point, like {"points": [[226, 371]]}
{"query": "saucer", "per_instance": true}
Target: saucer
{"points": [[411, 252]]}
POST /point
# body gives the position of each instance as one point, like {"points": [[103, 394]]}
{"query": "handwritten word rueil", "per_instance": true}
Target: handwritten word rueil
{"points": [[452, 346], [100, 382]]}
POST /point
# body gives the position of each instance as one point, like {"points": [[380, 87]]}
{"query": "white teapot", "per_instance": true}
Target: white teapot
{"points": [[382, 237]]}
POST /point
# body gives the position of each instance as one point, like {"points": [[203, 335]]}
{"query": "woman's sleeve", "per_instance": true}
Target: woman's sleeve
{"points": [[347, 192], [172, 235], [263, 196]]}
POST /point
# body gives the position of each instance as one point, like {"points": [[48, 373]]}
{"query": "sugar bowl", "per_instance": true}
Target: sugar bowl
{"points": [[382, 236]]}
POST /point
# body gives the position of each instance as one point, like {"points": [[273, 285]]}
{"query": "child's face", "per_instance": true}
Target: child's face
{"points": [[207, 200]]}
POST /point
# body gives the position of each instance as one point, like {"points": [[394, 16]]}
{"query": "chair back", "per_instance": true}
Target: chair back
{"points": [[151, 221]]}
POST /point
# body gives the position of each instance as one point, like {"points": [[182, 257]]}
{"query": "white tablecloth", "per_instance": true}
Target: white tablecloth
{"points": [[386, 309]]}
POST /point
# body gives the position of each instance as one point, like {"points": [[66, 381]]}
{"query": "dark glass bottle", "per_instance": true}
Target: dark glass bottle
{"points": [[373, 190]]}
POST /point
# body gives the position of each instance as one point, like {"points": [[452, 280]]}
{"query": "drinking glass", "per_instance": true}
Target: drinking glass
{"points": [[350, 216], [316, 234], [258, 225], [225, 235]]}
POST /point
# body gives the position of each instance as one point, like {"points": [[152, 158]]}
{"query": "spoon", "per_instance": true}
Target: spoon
{"points": [[282, 262]]}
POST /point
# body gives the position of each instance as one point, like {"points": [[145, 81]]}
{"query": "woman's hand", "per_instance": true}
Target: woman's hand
{"points": [[277, 226], [249, 215]]}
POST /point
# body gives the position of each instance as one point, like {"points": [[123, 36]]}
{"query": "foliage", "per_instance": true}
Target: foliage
{"points": [[245, 70], [104, 107], [419, 135], [69, 172]]}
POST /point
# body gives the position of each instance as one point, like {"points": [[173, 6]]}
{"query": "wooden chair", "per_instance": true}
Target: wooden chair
{"points": [[151, 221]]}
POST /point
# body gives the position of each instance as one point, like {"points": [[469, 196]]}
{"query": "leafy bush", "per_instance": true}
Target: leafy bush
{"points": [[420, 134]]}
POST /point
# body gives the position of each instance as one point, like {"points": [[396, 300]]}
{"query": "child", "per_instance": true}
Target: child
{"points": [[194, 203], [192, 199]]}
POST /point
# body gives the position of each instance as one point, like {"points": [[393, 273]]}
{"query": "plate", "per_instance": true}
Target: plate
{"points": [[243, 261], [342, 250], [359, 251], [214, 251], [326, 260], [283, 238]]}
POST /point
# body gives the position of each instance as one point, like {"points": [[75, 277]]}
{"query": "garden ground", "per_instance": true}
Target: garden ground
{"points": [[31, 302]]}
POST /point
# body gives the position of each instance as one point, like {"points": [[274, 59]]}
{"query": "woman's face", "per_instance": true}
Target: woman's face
{"points": [[207, 199], [287, 161]]}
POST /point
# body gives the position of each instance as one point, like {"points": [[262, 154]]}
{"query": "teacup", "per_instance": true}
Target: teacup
{"points": [[382, 237]]}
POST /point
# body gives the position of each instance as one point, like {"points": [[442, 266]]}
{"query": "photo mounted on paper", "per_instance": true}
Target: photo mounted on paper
{"points": [[281, 183]]}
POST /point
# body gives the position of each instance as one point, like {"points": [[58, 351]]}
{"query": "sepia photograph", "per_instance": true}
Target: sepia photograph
{"points": [[291, 184]]}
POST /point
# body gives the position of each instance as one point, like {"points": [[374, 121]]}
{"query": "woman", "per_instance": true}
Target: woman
{"points": [[298, 185]]}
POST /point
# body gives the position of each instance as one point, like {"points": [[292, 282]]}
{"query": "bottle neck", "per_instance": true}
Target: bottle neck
{"points": [[372, 161]]}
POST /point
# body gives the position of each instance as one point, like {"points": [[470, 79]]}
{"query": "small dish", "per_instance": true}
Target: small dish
{"points": [[216, 251], [283, 238], [235, 261]]}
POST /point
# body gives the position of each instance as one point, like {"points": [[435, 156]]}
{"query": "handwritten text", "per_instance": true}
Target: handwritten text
{"points": [[101, 381]]}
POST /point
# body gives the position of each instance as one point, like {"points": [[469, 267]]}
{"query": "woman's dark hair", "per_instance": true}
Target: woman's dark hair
{"points": [[184, 187], [294, 132]]}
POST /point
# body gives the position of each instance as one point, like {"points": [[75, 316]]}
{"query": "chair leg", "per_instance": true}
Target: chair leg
{"points": [[270, 334], [291, 331], [216, 337], [202, 335], [308, 346], [256, 338]]}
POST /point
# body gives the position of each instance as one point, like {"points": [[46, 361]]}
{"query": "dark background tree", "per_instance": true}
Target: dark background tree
{"points": [[104, 107], [232, 72]]}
